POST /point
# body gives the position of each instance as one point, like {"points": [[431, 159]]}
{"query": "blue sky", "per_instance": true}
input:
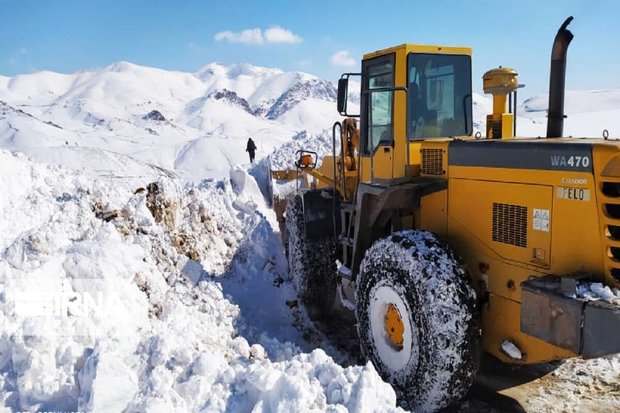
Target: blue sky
{"points": [[316, 36]]}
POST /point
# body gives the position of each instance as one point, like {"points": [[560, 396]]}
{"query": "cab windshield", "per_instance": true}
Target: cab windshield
{"points": [[440, 103]]}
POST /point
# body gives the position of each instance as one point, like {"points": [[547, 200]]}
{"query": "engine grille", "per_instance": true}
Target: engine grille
{"points": [[432, 161], [510, 224], [610, 188]]}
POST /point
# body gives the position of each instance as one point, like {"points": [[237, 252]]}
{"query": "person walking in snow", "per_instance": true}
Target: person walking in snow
{"points": [[251, 149]]}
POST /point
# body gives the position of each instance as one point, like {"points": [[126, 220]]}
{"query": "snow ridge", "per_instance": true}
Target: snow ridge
{"points": [[232, 98], [316, 89]]}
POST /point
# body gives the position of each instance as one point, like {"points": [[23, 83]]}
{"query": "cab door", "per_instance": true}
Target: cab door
{"points": [[378, 116]]}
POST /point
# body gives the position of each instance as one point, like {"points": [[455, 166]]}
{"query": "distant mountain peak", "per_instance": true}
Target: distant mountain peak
{"points": [[122, 66], [308, 89], [234, 71], [231, 97]]}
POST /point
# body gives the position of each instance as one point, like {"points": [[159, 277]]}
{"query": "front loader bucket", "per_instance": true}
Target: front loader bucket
{"points": [[279, 207], [278, 197], [551, 312]]}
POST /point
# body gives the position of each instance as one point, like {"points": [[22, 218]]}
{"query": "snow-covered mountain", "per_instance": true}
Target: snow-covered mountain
{"points": [[314, 89], [155, 117], [588, 113]]}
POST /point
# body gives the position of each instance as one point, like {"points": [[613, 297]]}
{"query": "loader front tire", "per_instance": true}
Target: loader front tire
{"points": [[417, 320], [312, 263]]}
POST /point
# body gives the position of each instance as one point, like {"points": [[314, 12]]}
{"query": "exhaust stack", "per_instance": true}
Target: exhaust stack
{"points": [[557, 80]]}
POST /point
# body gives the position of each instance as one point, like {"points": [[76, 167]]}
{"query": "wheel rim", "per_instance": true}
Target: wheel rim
{"points": [[394, 327], [395, 349]]}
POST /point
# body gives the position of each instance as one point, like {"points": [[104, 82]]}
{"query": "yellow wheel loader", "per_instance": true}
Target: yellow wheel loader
{"points": [[444, 243]]}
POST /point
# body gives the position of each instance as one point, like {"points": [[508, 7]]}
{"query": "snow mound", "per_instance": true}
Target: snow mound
{"points": [[593, 291], [285, 156], [191, 264]]}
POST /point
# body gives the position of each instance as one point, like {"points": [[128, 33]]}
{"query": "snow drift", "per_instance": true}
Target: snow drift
{"points": [[176, 338]]}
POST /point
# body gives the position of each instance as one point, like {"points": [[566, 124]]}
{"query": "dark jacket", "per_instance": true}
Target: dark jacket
{"points": [[251, 147]]}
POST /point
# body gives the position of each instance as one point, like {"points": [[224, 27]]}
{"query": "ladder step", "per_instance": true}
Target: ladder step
{"points": [[343, 239], [344, 272]]}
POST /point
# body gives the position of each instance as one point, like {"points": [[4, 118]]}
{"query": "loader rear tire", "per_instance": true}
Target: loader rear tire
{"points": [[312, 263], [417, 319]]}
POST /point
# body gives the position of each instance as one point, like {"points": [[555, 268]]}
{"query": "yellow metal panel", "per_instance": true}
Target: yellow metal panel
{"points": [[284, 175], [501, 320], [572, 221], [421, 48], [507, 126], [607, 160], [325, 175], [414, 157], [472, 203], [365, 169], [383, 52], [577, 234], [400, 116], [433, 213], [382, 163]]}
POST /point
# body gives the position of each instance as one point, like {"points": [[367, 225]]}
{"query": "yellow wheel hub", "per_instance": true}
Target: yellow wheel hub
{"points": [[394, 327]]}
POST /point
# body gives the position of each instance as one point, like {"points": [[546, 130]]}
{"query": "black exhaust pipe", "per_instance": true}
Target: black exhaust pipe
{"points": [[557, 80]]}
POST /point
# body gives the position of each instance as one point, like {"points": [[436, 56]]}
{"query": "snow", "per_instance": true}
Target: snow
{"points": [[511, 350], [594, 291], [208, 333], [573, 386]]}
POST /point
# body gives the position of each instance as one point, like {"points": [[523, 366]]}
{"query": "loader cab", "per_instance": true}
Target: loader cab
{"points": [[409, 93]]}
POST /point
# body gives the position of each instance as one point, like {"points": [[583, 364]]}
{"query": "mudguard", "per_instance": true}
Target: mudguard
{"points": [[321, 213]]}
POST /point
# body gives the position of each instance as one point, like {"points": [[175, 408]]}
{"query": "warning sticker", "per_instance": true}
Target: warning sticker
{"points": [[541, 220]]}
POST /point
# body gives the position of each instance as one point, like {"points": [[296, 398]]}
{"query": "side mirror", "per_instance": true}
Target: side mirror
{"points": [[343, 90]]}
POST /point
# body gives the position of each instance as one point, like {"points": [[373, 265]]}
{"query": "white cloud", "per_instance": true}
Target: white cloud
{"points": [[249, 36], [275, 34], [343, 58]]}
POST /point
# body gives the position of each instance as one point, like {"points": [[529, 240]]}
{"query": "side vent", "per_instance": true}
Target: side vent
{"points": [[510, 224], [610, 189], [432, 161]]}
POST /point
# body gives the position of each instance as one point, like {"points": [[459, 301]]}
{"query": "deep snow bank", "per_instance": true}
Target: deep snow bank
{"points": [[151, 304], [285, 156]]}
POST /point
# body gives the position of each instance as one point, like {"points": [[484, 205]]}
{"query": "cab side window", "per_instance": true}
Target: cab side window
{"points": [[378, 103]]}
